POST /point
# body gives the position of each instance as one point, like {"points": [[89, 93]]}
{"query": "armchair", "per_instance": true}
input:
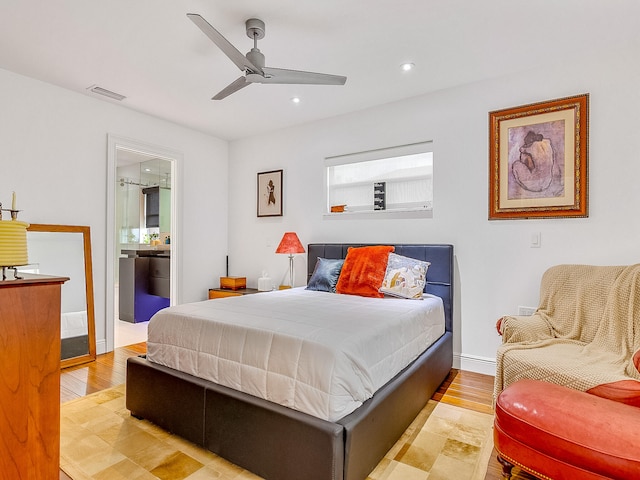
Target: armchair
{"points": [[585, 334], [564, 375]]}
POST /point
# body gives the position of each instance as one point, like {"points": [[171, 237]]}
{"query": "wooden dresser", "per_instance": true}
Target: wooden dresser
{"points": [[30, 377]]}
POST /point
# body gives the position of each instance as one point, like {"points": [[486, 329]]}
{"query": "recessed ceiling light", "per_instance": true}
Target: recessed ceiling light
{"points": [[295, 99], [407, 66]]}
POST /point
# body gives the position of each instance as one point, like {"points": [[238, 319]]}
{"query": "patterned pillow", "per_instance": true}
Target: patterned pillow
{"points": [[405, 277], [363, 271], [325, 275]]}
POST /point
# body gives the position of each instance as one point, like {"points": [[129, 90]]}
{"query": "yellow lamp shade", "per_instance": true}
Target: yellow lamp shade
{"points": [[13, 243]]}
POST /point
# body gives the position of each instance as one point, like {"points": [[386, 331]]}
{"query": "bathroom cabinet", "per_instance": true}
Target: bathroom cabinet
{"points": [[144, 285]]}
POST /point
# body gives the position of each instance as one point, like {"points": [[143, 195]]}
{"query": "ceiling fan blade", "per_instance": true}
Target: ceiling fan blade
{"points": [[281, 75], [232, 88], [223, 44]]}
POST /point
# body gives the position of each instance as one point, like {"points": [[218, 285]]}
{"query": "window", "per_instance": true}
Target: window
{"points": [[397, 179]]}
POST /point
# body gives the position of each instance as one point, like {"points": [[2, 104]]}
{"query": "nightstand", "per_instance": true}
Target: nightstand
{"points": [[225, 292]]}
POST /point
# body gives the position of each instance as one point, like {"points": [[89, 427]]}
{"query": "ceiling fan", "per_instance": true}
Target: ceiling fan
{"points": [[252, 64]]}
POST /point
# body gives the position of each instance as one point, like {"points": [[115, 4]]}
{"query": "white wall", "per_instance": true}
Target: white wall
{"points": [[497, 269], [53, 153]]}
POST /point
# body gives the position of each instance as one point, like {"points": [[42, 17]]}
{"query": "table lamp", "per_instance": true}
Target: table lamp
{"points": [[13, 240], [290, 244]]}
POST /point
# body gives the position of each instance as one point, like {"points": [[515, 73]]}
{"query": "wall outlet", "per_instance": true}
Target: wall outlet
{"points": [[526, 311]]}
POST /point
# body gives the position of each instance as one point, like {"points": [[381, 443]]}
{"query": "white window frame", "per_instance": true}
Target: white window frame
{"points": [[425, 211]]}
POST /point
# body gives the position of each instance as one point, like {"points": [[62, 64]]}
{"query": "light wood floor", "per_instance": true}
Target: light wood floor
{"points": [[465, 389]]}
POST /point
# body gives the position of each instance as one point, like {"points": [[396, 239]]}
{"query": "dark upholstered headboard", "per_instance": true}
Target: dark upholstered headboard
{"points": [[439, 274]]}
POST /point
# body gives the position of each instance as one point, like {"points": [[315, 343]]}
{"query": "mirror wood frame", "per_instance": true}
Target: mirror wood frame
{"points": [[88, 276]]}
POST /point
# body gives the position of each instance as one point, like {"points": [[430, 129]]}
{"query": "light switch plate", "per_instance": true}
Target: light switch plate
{"points": [[536, 240]]}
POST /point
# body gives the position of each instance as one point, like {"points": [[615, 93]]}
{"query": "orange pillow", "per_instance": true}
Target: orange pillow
{"points": [[363, 271]]}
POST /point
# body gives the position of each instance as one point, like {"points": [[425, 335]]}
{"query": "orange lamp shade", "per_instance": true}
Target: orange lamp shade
{"points": [[290, 244]]}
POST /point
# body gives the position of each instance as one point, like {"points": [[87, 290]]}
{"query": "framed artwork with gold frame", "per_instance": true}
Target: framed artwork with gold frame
{"points": [[538, 155]]}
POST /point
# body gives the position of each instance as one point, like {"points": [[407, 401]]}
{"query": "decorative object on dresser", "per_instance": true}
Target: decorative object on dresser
{"points": [[290, 244], [538, 158], [270, 194], [13, 240]]}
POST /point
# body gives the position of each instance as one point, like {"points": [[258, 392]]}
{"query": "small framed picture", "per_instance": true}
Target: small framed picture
{"points": [[270, 194], [538, 158]]}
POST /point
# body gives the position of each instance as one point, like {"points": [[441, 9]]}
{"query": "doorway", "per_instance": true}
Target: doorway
{"points": [[142, 219]]}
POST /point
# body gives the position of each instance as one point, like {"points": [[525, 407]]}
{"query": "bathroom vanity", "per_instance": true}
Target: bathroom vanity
{"points": [[144, 283]]}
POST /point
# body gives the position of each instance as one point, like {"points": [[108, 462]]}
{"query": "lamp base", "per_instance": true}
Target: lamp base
{"points": [[290, 271], [15, 273]]}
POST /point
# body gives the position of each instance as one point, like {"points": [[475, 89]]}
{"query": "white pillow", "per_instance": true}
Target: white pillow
{"points": [[405, 277]]}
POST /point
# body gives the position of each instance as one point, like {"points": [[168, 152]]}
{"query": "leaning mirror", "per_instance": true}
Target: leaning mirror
{"points": [[65, 250]]}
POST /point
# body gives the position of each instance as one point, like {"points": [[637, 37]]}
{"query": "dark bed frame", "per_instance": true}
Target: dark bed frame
{"points": [[279, 443]]}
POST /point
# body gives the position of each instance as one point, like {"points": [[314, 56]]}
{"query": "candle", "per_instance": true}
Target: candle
{"points": [[13, 201]]}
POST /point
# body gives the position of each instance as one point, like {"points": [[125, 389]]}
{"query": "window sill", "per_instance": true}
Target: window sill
{"points": [[379, 214]]}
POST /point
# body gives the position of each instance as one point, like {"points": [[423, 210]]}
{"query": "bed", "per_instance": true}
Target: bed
{"points": [[280, 443]]}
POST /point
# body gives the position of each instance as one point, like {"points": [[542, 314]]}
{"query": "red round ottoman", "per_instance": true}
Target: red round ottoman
{"points": [[554, 432]]}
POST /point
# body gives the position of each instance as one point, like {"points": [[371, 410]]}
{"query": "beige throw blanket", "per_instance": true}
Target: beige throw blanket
{"points": [[584, 333]]}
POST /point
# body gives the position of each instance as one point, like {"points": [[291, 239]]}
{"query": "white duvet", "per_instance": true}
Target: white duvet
{"points": [[319, 353]]}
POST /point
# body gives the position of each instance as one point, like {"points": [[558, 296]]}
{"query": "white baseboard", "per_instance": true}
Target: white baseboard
{"points": [[101, 346], [473, 363]]}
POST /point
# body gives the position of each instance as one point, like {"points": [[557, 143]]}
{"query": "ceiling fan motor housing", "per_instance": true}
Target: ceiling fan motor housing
{"points": [[256, 57]]}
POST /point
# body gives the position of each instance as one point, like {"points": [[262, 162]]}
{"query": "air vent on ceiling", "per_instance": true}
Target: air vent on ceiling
{"points": [[105, 92]]}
